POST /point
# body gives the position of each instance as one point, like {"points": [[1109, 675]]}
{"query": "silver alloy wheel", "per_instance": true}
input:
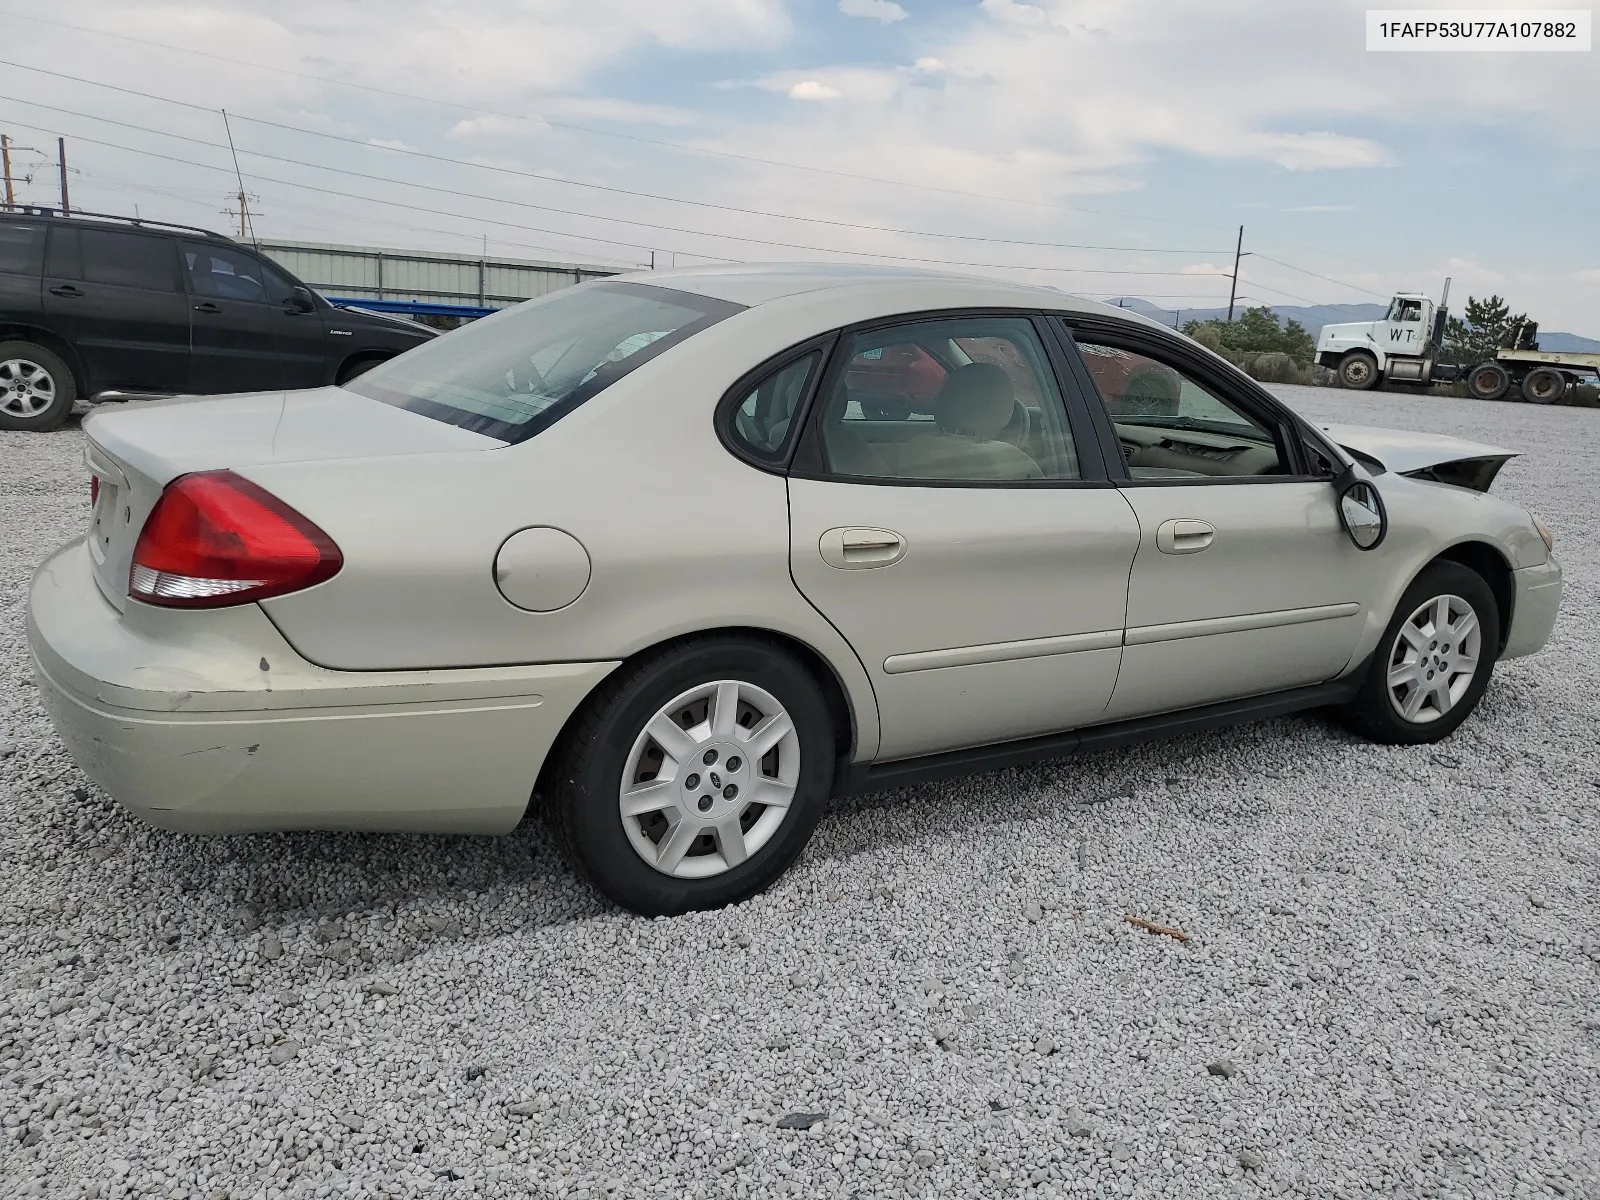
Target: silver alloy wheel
{"points": [[26, 388], [1434, 659], [709, 779]]}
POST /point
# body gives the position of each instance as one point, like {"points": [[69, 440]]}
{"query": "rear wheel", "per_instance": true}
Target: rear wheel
{"points": [[37, 390], [1544, 385], [1434, 661], [694, 779], [1488, 381], [1358, 371]]}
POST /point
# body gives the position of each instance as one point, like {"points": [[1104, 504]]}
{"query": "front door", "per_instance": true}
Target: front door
{"points": [[974, 562], [1244, 582], [116, 297], [235, 323]]}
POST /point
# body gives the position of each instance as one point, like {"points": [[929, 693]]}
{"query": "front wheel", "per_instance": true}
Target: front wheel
{"points": [[695, 778], [1434, 661], [1358, 371]]}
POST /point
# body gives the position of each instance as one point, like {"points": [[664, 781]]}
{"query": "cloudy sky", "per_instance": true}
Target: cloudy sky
{"points": [[1107, 147]]}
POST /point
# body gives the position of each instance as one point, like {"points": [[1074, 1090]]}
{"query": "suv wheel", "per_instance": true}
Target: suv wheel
{"points": [[36, 388], [695, 778], [1434, 661]]}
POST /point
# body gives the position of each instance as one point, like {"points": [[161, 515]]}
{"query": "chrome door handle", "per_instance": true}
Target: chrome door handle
{"points": [[1184, 535], [852, 549]]}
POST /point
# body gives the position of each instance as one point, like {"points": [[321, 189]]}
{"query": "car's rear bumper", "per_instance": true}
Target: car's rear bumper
{"points": [[1533, 608], [209, 722]]}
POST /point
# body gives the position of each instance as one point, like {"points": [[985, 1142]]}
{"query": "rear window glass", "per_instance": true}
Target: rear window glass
{"points": [[129, 260], [21, 247], [516, 372]]}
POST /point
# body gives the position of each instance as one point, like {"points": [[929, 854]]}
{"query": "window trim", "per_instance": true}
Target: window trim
{"points": [[809, 461], [1220, 376], [751, 379]]}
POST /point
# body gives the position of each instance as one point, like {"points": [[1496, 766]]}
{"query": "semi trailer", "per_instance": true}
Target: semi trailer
{"points": [[1405, 346]]}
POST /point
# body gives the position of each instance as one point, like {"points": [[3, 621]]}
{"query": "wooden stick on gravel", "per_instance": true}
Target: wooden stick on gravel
{"points": [[1153, 928]]}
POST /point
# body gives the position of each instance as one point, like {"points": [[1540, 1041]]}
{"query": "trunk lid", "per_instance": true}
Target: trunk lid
{"points": [[135, 452]]}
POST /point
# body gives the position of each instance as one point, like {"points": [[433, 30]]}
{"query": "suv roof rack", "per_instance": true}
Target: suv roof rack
{"points": [[25, 210]]}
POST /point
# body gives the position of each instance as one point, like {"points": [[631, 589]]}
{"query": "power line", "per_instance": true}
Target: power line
{"points": [[909, 258], [600, 187], [1354, 287], [671, 145]]}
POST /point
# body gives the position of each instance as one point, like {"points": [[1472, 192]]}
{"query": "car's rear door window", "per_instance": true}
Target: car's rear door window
{"points": [[138, 260], [515, 373]]}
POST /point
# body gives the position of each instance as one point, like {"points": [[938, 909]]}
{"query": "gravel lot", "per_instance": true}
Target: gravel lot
{"points": [[1390, 988]]}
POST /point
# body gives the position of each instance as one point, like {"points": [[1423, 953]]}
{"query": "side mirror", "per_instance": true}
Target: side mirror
{"points": [[300, 301], [1362, 513]]}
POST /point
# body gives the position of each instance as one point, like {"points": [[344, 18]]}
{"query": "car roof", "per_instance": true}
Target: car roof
{"points": [[120, 224], [759, 283]]}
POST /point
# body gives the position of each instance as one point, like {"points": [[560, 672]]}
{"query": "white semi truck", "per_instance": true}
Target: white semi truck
{"points": [[1404, 347]]}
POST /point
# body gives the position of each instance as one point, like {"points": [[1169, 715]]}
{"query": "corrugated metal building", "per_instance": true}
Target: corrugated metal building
{"points": [[457, 279]]}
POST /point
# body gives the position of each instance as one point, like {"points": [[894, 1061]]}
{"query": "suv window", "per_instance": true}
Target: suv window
{"points": [[764, 421], [21, 247], [520, 370], [968, 399], [232, 275], [139, 260], [1173, 427]]}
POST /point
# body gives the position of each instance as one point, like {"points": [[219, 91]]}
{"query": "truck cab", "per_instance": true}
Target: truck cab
{"points": [[1402, 345]]}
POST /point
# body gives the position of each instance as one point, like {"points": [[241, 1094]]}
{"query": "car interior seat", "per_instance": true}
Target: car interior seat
{"points": [[974, 407], [848, 452]]}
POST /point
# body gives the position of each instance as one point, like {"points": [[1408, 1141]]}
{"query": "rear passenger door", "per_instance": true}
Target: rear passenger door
{"points": [[115, 295], [972, 553]]}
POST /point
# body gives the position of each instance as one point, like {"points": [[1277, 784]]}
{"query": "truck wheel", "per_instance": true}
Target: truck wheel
{"points": [[1358, 371], [1488, 381], [1544, 385], [37, 390]]}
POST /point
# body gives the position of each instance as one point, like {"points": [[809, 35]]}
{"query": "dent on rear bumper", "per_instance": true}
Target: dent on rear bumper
{"points": [[1534, 606], [209, 722]]}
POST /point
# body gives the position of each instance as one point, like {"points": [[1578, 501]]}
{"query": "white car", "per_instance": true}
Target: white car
{"points": [[683, 554]]}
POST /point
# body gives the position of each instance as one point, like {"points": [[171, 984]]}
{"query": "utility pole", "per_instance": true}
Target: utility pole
{"points": [[61, 149], [1233, 288], [5, 160]]}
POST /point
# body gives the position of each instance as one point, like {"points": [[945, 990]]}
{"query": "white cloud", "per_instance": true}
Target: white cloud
{"points": [[810, 89], [390, 144], [608, 108], [1590, 276], [490, 125], [1014, 12], [886, 11], [932, 66], [1320, 208]]}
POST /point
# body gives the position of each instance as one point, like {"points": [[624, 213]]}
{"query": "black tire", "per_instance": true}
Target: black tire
{"points": [[584, 792], [25, 367], [1358, 371], [1488, 381], [1373, 712], [1544, 385], [360, 367]]}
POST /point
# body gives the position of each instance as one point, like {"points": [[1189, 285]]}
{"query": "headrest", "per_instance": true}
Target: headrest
{"points": [[976, 399]]}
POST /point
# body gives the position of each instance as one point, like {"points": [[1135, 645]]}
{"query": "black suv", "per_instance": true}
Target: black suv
{"points": [[111, 309]]}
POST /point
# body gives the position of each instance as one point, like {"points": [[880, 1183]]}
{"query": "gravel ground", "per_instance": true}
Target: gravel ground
{"points": [[1390, 988]]}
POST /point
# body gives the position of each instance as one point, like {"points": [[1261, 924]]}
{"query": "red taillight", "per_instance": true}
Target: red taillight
{"points": [[94, 490], [216, 538]]}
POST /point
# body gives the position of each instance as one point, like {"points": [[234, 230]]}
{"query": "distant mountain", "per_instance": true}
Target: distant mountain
{"points": [[1315, 316], [1569, 343]]}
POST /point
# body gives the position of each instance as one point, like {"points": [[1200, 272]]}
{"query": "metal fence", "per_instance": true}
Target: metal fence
{"points": [[456, 280]]}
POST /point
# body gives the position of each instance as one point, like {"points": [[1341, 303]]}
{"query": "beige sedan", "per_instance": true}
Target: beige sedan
{"points": [[683, 554]]}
